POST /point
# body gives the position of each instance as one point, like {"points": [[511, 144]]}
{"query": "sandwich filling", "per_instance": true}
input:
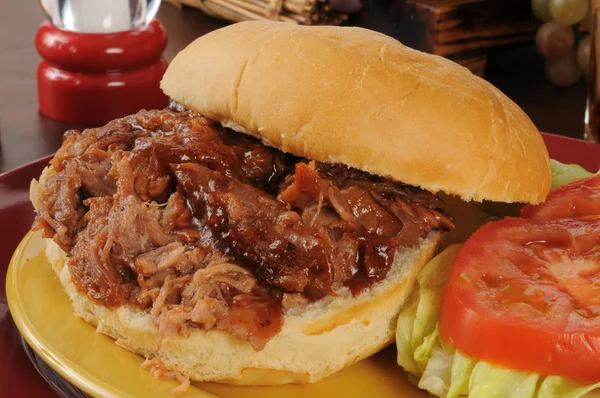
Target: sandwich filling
{"points": [[205, 227]]}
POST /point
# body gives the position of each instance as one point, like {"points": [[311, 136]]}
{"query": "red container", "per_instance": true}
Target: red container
{"points": [[92, 78]]}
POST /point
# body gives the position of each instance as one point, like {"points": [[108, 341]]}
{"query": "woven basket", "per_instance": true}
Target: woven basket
{"points": [[305, 12]]}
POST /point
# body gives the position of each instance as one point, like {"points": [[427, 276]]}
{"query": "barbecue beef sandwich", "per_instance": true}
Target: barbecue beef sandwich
{"points": [[268, 226]]}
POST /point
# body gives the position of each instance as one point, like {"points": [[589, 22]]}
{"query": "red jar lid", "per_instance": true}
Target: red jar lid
{"points": [[92, 78]]}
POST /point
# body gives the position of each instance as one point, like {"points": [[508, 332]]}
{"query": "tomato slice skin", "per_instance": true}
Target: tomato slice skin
{"points": [[578, 199], [525, 294]]}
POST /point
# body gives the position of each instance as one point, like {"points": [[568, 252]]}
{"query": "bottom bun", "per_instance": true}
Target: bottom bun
{"points": [[316, 340]]}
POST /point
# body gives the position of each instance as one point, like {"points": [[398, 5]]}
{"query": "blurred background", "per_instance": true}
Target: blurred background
{"points": [[537, 52]]}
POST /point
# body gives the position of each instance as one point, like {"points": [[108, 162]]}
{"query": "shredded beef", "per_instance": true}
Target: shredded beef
{"points": [[59, 211], [280, 249], [364, 218], [158, 370], [205, 227]]}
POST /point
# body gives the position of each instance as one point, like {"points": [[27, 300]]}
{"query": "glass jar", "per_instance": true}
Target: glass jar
{"points": [[100, 16], [101, 59]]}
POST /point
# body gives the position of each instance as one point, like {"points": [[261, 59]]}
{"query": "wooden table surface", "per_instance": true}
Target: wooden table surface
{"points": [[26, 135]]}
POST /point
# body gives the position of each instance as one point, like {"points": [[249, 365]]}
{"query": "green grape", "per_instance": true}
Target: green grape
{"points": [[584, 49], [568, 12], [541, 10], [563, 72], [554, 40]]}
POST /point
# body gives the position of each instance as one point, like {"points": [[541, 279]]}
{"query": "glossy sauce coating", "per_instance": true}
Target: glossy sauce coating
{"points": [[209, 228]]}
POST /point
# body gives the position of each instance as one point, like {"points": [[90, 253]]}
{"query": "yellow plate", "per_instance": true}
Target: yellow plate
{"points": [[93, 363]]}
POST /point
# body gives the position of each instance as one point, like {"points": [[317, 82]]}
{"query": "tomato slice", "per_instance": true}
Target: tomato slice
{"points": [[525, 294], [578, 199]]}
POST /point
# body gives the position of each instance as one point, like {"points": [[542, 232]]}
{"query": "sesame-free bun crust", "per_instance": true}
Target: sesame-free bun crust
{"points": [[353, 96], [316, 340]]}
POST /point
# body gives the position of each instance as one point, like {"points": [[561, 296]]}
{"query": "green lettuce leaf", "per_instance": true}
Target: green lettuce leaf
{"points": [[487, 380], [419, 316], [462, 367], [563, 174], [444, 371]]}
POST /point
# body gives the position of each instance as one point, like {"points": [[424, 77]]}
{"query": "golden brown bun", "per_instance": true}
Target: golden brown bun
{"points": [[316, 340], [353, 96]]}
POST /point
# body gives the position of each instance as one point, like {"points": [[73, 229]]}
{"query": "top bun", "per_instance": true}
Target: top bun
{"points": [[360, 98]]}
